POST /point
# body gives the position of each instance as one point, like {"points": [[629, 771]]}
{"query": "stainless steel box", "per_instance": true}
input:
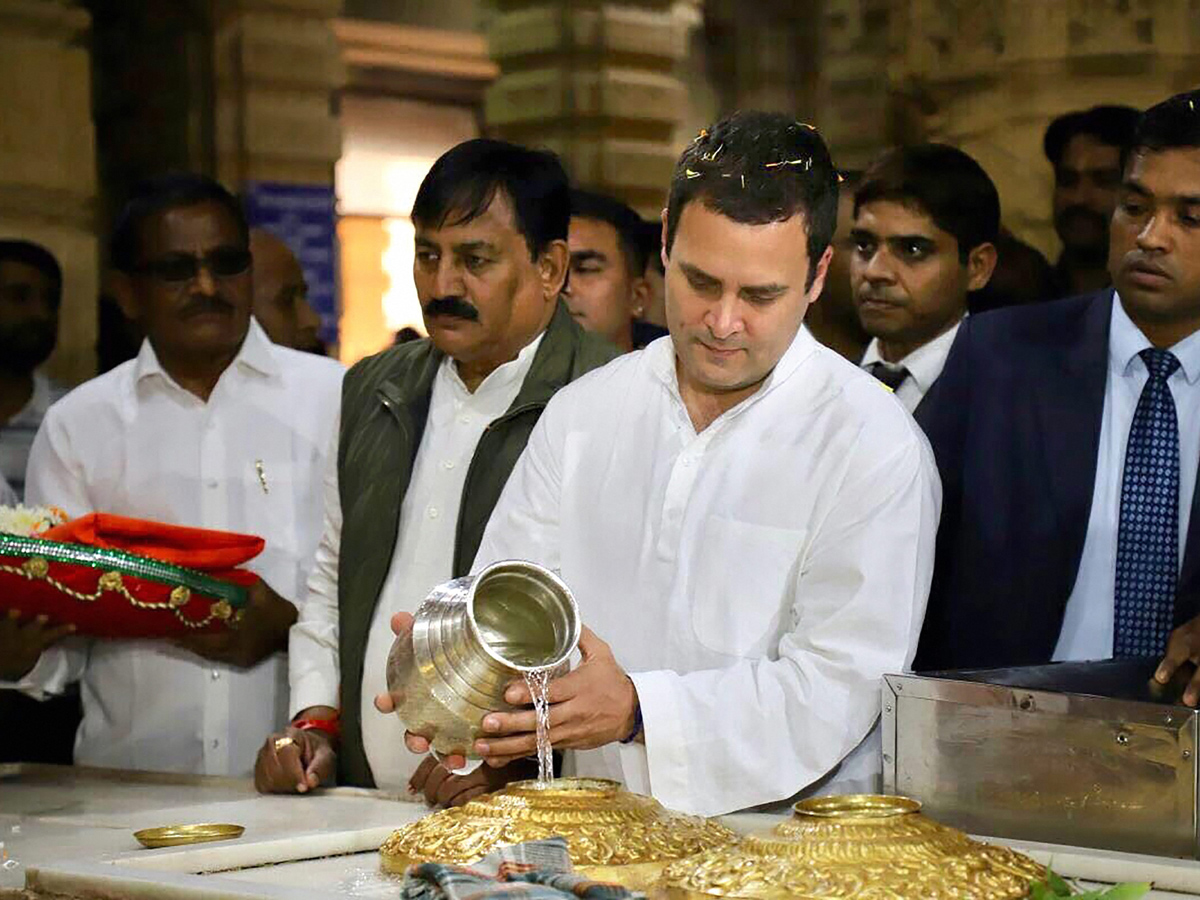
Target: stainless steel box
{"points": [[1087, 754]]}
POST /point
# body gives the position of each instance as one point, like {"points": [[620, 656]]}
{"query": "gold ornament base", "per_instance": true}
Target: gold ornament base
{"points": [[855, 847], [612, 834]]}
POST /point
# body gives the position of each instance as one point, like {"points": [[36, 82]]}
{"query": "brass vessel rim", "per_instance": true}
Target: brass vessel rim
{"points": [[541, 572], [572, 786], [856, 806]]}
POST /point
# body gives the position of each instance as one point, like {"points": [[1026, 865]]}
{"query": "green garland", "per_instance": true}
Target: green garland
{"points": [[126, 564], [1055, 887]]}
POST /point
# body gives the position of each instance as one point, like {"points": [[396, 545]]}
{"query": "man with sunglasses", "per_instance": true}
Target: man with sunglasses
{"points": [[214, 426]]}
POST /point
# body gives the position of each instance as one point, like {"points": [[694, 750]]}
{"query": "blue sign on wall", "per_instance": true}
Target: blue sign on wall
{"points": [[303, 216]]}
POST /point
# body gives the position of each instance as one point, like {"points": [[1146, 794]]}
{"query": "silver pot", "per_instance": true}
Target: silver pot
{"points": [[471, 638]]}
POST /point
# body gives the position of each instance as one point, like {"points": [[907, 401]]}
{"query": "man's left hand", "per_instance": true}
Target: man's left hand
{"points": [[442, 787], [1183, 646], [262, 631], [592, 706]]}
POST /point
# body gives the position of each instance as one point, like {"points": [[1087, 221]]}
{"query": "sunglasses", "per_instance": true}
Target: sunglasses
{"points": [[224, 262]]}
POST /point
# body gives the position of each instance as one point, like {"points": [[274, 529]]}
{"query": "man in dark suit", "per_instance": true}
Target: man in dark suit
{"points": [[1067, 436]]}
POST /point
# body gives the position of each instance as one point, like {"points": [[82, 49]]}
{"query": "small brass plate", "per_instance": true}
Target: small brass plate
{"points": [[177, 835]]}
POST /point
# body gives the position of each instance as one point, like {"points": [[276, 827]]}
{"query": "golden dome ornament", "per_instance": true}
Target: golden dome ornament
{"points": [[612, 834], [855, 847]]}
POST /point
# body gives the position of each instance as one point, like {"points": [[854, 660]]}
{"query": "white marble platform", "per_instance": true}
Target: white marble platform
{"points": [[69, 833]]}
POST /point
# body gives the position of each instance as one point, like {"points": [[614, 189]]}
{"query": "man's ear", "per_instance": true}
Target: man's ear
{"points": [[818, 282], [639, 296], [981, 263], [663, 239], [552, 268], [120, 287]]}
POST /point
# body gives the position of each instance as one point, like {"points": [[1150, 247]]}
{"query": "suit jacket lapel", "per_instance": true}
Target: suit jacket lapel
{"points": [[1187, 595], [1070, 405]]}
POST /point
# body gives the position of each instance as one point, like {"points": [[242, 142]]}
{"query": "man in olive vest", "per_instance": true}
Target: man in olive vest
{"points": [[430, 431]]}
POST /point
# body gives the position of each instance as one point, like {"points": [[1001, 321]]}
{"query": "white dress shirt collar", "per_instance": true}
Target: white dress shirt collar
{"points": [[924, 364], [1126, 341], [256, 353]]}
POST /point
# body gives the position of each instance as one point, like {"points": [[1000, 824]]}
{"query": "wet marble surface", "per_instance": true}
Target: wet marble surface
{"points": [[71, 832]]}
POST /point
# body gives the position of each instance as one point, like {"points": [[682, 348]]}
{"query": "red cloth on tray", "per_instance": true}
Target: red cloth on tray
{"points": [[61, 590], [215, 553]]}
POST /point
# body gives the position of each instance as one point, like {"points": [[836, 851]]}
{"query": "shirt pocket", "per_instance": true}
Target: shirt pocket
{"points": [[741, 584], [276, 510]]}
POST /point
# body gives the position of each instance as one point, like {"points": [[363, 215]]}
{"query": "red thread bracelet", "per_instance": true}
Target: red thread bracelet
{"points": [[331, 727]]}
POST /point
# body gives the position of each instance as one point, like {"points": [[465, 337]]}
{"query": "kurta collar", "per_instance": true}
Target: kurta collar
{"points": [[661, 358]]}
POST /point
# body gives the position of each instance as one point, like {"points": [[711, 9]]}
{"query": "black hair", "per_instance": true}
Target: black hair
{"points": [[1165, 126], [463, 182], [946, 184], [650, 235], [158, 194], [37, 256], [759, 167], [626, 222], [1111, 125]]}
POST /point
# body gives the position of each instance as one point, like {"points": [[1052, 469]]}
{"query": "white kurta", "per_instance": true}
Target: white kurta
{"points": [[422, 558], [135, 443], [756, 579]]}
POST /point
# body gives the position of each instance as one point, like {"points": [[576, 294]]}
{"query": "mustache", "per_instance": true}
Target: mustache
{"points": [[455, 307], [203, 303]]}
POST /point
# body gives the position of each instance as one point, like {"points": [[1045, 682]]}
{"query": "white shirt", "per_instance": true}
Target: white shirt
{"points": [[16, 435], [924, 366], [756, 579], [422, 558], [1087, 631], [135, 443]]}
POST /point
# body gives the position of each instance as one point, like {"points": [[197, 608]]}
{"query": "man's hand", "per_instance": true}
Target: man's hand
{"points": [[262, 630], [441, 787], [402, 623], [296, 761], [1183, 646], [22, 643], [590, 707]]}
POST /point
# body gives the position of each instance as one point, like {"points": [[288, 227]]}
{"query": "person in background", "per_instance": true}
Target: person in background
{"points": [[832, 320], [406, 334], [281, 295], [1022, 275], [766, 553], [1085, 148], [430, 431], [654, 314], [1068, 434], [925, 225], [213, 426], [606, 290], [31, 287]]}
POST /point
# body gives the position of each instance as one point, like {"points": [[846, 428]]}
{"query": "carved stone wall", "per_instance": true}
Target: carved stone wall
{"points": [[47, 159], [989, 77]]}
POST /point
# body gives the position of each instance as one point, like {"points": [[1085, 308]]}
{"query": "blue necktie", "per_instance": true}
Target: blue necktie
{"points": [[1148, 531]]}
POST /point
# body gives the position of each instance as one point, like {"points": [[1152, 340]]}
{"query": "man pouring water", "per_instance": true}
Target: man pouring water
{"points": [[745, 519]]}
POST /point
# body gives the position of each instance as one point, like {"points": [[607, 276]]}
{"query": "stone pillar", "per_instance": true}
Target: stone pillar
{"points": [[47, 160], [278, 67], [596, 82]]}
